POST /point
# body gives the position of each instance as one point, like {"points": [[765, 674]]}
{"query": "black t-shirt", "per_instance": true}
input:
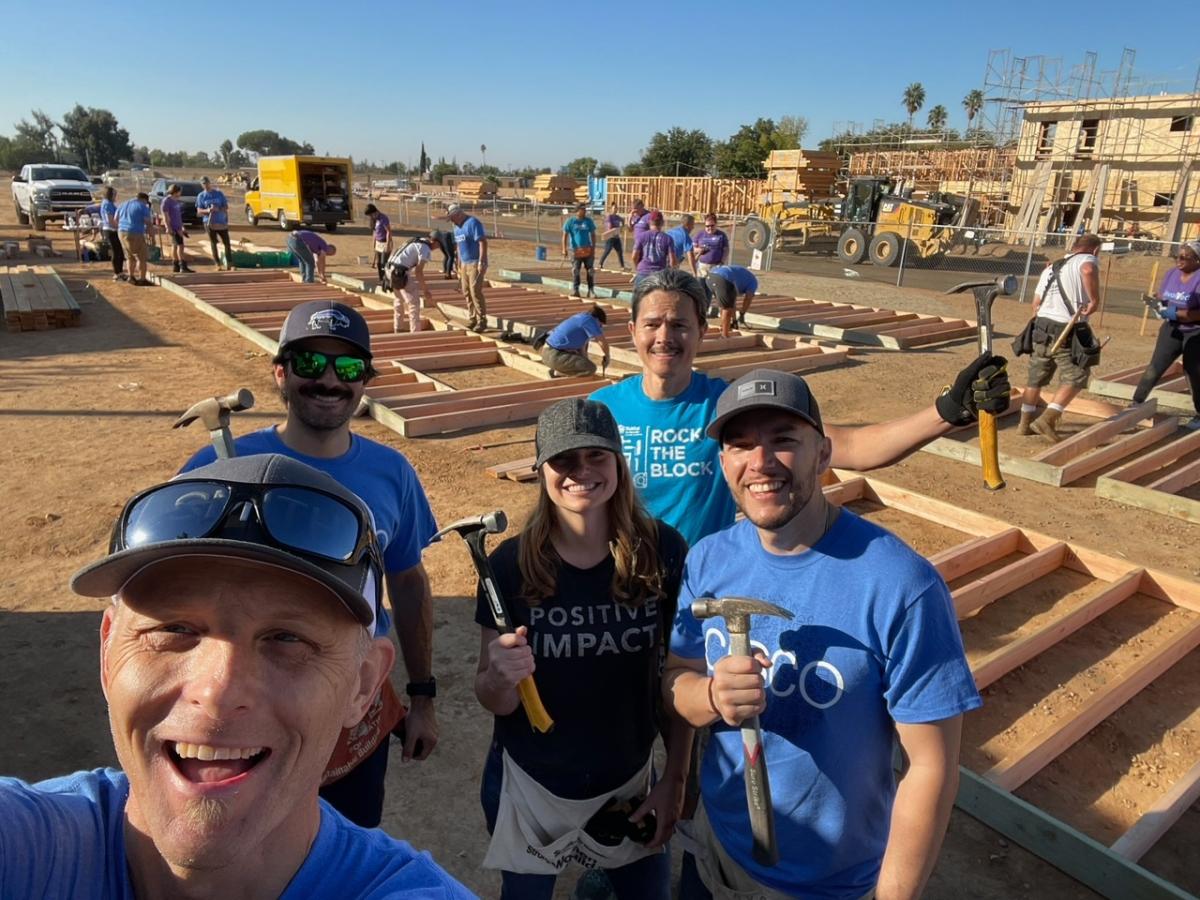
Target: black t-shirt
{"points": [[598, 671]]}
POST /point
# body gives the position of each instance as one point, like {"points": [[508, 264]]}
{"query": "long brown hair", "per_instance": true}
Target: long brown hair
{"points": [[632, 540]]}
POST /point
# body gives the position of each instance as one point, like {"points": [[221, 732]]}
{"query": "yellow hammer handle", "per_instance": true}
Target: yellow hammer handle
{"points": [[989, 451], [534, 711]]}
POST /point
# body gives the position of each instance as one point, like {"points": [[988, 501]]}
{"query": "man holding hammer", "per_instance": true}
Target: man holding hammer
{"points": [[322, 368], [872, 652]]}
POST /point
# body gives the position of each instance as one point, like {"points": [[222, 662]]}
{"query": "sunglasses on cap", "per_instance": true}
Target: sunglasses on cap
{"points": [[301, 520], [311, 364]]}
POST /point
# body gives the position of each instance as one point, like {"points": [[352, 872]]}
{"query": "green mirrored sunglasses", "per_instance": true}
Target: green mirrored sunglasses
{"points": [[311, 364]]}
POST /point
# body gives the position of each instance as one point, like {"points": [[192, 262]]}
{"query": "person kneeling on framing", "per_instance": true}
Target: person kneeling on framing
{"points": [[564, 348]]}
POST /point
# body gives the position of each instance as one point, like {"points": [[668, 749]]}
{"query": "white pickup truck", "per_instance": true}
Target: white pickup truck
{"points": [[44, 191]]}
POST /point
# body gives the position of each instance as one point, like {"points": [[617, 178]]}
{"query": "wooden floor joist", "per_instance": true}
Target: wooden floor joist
{"points": [[972, 565], [1167, 471], [1172, 391], [1080, 454]]}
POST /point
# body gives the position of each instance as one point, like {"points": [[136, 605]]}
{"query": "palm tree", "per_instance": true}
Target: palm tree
{"points": [[914, 99], [972, 103], [937, 118]]}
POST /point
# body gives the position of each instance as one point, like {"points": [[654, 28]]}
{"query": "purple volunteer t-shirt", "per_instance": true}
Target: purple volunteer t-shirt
{"points": [[640, 221], [656, 249], [613, 221], [1182, 295], [313, 241], [172, 211], [711, 247], [382, 223]]}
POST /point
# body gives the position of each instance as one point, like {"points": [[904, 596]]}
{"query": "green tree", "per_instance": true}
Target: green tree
{"points": [[678, 151], [914, 99], [265, 142], [95, 136], [633, 169], [225, 152], [973, 104], [16, 152], [38, 136], [742, 155], [200, 160], [581, 167], [937, 118], [442, 168]]}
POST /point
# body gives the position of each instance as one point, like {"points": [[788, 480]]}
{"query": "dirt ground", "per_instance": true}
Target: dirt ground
{"points": [[88, 412]]}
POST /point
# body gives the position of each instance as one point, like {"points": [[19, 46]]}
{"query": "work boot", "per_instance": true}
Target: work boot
{"points": [[1023, 427], [183, 267], [175, 268], [1045, 425], [575, 293]]}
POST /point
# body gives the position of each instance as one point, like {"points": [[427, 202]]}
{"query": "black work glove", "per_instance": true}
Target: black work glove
{"points": [[983, 385]]}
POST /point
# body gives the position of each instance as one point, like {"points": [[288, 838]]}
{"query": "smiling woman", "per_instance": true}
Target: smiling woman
{"points": [[232, 657]]}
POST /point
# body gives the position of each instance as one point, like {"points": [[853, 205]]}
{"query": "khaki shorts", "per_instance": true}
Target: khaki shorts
{"points": [[135, 246], [1042, 365]]}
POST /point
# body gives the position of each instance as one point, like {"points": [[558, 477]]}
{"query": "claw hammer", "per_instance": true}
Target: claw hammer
{"points": [[214, 413], [737, 611]]}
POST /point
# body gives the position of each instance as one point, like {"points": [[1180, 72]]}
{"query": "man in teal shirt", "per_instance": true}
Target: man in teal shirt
{"points": [[579, 236]]}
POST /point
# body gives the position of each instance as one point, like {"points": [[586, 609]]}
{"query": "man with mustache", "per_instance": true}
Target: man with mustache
{"points": [[321, 369]]}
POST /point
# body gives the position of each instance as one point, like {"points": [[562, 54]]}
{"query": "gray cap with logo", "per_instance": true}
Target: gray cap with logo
{"points": [[766, 389], [575, 424], [325, 318]]}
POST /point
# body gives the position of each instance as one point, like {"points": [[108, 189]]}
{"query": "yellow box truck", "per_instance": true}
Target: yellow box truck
{"points": [[301, 190]]}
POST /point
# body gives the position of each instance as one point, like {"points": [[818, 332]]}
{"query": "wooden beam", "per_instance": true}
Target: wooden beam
{"points": [[845, 492], [974, 596], [1159, 459], [1084, 859], [1094, 435], [1158, 819], [1041, 749], [493, 415], [1119, 449], [1184, 476], [1004, 659], [957, 561]]}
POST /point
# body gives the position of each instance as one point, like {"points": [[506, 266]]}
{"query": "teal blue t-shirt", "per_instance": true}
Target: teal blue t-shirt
{"points": [[581, 232], [65, 837], [675, 465], [874, 642]]}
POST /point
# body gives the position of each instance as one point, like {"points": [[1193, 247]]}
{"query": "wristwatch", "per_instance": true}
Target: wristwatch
{"points": [[426, 688]]}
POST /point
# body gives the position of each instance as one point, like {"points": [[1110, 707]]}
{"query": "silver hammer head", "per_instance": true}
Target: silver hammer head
{"points": [[737, 611], [214, 411], [490, 523]]}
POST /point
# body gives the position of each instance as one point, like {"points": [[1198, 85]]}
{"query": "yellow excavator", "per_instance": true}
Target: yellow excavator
{"points": [[873, 221]]}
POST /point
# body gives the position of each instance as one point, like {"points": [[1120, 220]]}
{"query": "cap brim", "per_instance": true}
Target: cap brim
{"points": [[107, 576], [576, 442], [331, 337], [715, 426]]}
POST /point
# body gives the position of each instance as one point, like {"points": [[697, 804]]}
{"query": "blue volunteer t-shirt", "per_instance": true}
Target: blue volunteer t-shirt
{"points": [[216, 199], [682, 241], [381, 477], [575, 332], [739, 276], [581, 232], [133, 216], [874, 641], [467, 237], [674, 463], [108, 209], [65, 837]]}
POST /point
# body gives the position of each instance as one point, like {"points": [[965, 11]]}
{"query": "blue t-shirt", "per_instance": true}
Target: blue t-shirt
{"points": [[133, 216], [581, 231], [214, 198], [575, 332], [674, 463], [682, 241], [380, 476], [874, 641], [65, 837], [108, 209], [739, 276], [467, 237]]}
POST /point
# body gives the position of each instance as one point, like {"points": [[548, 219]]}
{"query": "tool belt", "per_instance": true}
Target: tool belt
{"points": [[585, 252], [1083, 346]]}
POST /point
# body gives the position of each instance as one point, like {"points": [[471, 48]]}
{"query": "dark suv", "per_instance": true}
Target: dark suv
{"points": [[189, 191]]}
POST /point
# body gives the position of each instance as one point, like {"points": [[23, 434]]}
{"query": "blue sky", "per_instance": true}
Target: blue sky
{"points": [[539, 83]]}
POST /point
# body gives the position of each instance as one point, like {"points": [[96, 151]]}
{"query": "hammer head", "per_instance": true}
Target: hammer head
{"points": [[737, 611], [214, 411], [489, 523]]}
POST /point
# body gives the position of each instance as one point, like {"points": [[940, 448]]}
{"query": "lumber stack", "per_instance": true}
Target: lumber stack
{"points": [[35, 299], [555, 189], [477, 190], [807, 173], [581, 194], [723, 196]]}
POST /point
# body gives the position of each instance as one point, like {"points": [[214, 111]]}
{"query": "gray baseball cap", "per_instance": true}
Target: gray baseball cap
{"points": [[325, 318], [573, 424], [304, 521], [766, 389], [453, 208]]}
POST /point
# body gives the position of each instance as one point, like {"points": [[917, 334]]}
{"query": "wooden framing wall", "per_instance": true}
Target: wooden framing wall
{"points": [[1156, 480], [724, 196], [406, 396], [988, 796], [1079, 454], [1172, 391]]}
